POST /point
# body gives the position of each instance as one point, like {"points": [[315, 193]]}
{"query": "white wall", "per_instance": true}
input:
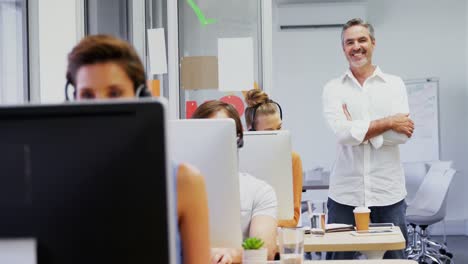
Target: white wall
{"points": [[59, 28], [414, 39], [430, 54]]}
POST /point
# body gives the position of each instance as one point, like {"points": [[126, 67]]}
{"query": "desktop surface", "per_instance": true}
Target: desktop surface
{"points": [[86, 181], [345, 241]]}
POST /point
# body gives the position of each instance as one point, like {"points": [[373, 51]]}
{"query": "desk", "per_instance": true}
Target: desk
{"points": [[363, 261], [314, 185], [372, 246]]}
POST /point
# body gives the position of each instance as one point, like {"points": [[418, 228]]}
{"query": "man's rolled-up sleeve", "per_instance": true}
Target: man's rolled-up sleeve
{"points": [[400, 106], [392, 138]]}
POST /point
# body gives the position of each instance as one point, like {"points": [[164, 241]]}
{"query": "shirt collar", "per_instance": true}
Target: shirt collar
{"points": [[377, 73]]}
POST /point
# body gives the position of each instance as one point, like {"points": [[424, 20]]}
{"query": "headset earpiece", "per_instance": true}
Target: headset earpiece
{"points": [[240, 142], [67, 85], [143, 91]]}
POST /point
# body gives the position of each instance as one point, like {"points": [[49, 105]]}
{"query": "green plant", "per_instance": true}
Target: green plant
{"points": [[252, 243]]}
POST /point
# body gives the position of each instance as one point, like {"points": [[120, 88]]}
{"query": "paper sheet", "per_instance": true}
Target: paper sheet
{"points": [[157, 51], [235, 64], [199, 72]]}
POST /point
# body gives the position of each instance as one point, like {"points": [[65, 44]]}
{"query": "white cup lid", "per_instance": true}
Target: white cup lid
{"points": [[361, 209]]}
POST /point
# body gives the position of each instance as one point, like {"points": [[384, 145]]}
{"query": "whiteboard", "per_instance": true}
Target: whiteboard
{"points": [[424, 110]]}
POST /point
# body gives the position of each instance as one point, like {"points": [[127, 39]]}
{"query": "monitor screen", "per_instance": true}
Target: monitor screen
{"points": [[267, 156], [210, 145], [87, 181]]}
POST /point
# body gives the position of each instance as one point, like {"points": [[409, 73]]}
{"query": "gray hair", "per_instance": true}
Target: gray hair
{"points": [[357, 22]]}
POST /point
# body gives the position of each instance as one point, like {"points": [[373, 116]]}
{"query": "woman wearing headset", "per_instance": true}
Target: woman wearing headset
{"points": [[263, 113], [103, 67], [258, 199]]}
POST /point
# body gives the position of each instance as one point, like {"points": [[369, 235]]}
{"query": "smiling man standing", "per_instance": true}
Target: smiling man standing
{"points": [[369, 114]]}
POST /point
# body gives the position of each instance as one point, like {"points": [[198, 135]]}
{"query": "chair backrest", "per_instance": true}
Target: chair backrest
{"points": [[430, 197], [440, 215], [414, 176]]}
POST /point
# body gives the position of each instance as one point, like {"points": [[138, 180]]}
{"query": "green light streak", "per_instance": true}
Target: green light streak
{"points": [[201, 17]]}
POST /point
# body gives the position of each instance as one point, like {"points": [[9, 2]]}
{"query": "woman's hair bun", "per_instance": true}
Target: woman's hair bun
{"points": [[255, 97]]}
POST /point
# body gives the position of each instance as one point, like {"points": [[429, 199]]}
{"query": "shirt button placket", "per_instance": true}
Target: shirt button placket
{"points": [[366, 170], [367, 150]]}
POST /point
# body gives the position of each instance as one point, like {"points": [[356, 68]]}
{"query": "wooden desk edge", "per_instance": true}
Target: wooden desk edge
{"points": [[355, 247]]}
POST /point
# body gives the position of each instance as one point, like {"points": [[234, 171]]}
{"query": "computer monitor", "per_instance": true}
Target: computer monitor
{"points": [[267, 156], [210, 145], [88, 182]]}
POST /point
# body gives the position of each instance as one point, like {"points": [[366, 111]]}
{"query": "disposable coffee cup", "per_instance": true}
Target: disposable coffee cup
{"points": [[362, 217]]}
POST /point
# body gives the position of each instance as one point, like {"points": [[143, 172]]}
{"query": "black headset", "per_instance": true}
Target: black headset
{"points": [[141, 91], [255, 107], [240, 142]]}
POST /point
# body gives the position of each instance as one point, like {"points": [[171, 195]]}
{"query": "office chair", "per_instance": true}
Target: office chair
{"points": [[428, 207], [414, 176]]}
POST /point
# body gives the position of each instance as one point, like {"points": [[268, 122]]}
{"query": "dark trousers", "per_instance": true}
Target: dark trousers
{"points": [[343, 214]]}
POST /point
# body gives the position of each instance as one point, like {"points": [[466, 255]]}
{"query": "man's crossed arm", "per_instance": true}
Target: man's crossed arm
{"points": [[400, 123]]}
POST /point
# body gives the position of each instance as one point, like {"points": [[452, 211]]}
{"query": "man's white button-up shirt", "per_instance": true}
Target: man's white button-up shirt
{"points": [[366, 173]]}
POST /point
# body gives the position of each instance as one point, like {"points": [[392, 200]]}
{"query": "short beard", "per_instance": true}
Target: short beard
{"points": [[359, 64]]}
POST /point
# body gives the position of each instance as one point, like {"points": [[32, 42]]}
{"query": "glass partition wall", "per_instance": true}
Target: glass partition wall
{"points": [[13, 52], [107, 17], [201, 24], [156, 17], [130, 20]]}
